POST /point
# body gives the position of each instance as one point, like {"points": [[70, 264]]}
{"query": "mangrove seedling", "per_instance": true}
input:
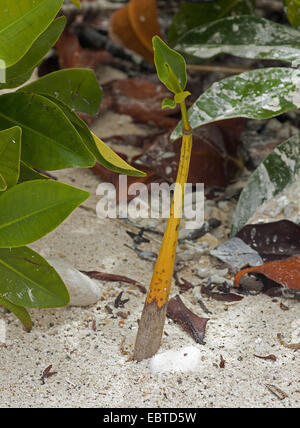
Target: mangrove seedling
{"points": [[171, 70]]}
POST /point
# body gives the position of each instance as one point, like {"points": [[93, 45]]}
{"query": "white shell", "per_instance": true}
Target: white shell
{"points": [[82, 289]]}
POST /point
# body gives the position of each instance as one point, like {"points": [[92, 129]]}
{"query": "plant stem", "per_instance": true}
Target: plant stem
{"points": [[154, 313]]}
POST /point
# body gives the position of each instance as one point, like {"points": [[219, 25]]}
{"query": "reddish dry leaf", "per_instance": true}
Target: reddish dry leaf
{"points": [[103, 276], [144, 20], [47, 373], [222, 362], [121, 32], [221, 297], [134, 25], [284, 272], [72, 55], [267, 357], [189, 321]]}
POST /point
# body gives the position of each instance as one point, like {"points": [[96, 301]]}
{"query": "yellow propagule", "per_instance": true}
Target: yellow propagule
{"points": [[154, 313]]}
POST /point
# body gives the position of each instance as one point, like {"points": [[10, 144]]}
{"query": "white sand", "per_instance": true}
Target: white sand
{"points": [[92, 370]]}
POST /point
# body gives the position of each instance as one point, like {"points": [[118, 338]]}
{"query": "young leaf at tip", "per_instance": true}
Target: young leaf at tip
{"points": [[170, 66]]}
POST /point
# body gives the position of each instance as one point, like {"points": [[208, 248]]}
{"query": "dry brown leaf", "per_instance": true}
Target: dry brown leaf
{"points": [[284, 272], [72, 55], [134, 25], [189, 321], [144, 20]]}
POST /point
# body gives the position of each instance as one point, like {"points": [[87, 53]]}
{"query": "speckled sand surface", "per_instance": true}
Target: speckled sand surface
{"points": [[91, 369]]}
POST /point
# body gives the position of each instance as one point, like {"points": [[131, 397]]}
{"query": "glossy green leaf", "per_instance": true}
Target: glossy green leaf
{"points": [[10, 154], [101, 152], [257, 94], [193, 15], [18, 311], [27, 279], [76, 87], [170, 66], [28, 174], [168, 103], [292, 8], [49, 140], [242, 36], [32, 209], [22, 70], [112, 161], [21, 23], [278, 171]]}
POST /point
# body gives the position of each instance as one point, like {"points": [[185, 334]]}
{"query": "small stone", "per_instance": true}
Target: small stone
{"points": [[82, 289], [211, 240], [184, 359]]}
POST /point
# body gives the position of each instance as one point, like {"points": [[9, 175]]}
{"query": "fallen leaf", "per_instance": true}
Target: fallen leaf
{"points": [[103, 276], [119, 303], [47, 373], [237, 254], [72, 55], [221, 297], [210, 162], [189, 321], [284, 272], [134, 25], [273, 241], [182, 283], [222, 362], [267, 357], [276, 391], [144, 20]]}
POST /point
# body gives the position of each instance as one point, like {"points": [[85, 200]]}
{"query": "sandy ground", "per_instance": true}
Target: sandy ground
{"points": [[92, 370], [94, 367]]}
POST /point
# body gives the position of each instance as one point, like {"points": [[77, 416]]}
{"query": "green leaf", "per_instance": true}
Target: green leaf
{"points": [[292, 8], [49, 140], [193, 15], [278, 171], [28, 174], [112, 161], [32, 209], [78, 88], [170, 66], [22, 70], [242, 36], [21, 23], [101, 152], [257, 94], [19, 312], [27, 279], [168, 103], [10, 154]]}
